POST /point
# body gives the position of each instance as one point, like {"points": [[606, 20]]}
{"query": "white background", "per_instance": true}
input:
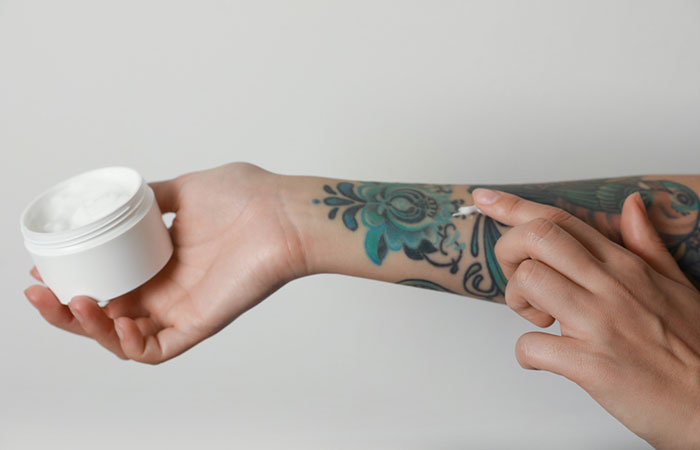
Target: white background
{"points": [[431, 91]]}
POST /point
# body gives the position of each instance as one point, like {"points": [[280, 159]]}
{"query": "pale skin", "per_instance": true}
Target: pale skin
{"points": [[627, 311]]}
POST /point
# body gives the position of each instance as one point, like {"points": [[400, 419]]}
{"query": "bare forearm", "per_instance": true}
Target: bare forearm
{"points": [[405, 232]]}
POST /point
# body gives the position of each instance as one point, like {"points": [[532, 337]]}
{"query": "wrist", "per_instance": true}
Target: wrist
{"points": [[329, 218], [325, 244], [300, 221]]}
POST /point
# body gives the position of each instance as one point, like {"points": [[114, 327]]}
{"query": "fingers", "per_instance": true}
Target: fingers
{"points": [[130, 336], [563, 355], [545, 241], [540, 294], [167, 195], [96, 323], [129, 304], [513, 210], [640, 237], [56, 313], [151, 349], [35, 273], [141, 339]]}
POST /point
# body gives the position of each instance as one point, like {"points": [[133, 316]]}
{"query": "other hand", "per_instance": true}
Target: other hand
{"points": [[629, 317]]}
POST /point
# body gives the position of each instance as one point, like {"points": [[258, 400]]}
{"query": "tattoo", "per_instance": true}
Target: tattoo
{"points": [[672, 208], [417, 219], [485, 233]]}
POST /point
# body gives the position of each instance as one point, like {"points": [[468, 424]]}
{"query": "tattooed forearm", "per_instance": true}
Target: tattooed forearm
{"points": [[672, 208], [416, 219]]}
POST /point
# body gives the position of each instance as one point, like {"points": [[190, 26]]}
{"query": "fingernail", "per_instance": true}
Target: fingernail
{"points": [[485, 196], [75, 312], [31, 298], [118, 330]]}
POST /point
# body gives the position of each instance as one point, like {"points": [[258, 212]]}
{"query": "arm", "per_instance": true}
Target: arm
{"points": [[241, 232], [629, 322], [405, 232]]}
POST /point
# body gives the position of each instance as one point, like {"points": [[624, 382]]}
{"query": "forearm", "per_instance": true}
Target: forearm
{"points": [[405, 232]]}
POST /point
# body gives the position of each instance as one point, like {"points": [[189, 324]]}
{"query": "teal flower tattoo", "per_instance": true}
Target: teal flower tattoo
{"points": [[412, 217]]}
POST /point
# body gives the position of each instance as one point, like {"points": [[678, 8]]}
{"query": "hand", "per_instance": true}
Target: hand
{"points": [[629, 318], [234, 246]]}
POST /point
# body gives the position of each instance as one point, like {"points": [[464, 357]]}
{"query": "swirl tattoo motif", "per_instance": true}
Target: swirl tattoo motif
{"points": [[485, 233], [673, 208]]}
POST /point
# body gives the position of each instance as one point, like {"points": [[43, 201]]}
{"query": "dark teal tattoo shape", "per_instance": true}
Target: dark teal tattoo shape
{"points": [[674, 209], [484, 235], [415, 218]]}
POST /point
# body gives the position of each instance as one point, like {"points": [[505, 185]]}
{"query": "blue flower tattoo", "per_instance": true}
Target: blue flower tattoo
{"points": [[413, 217]]}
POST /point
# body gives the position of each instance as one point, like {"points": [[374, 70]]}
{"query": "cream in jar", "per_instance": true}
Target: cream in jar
{"points": [[99, 234]]}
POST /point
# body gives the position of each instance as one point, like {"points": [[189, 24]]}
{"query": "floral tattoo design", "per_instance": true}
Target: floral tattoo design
{"points": [[417, 219]]}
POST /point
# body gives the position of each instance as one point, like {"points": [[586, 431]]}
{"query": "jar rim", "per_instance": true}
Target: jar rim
{"points": [[100, 226]]}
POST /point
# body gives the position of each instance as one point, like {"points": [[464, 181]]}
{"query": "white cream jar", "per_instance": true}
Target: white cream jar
{"points": [[99, 234]]}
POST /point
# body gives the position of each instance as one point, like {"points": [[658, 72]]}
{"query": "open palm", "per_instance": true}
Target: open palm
{"points": [[233, 247]]}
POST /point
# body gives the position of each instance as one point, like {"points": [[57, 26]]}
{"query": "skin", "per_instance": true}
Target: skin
{"points": [[628, 316], [627, 310], [194, 296]]}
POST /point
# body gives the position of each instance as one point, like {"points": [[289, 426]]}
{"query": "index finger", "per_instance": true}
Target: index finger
{"points": [[512, 210]]}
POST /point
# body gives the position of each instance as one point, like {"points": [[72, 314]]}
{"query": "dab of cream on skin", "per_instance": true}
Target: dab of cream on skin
{"points": [[467, 210]]}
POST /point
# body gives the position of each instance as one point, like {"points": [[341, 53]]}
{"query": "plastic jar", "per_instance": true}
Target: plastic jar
{"points": [[100, 234]]}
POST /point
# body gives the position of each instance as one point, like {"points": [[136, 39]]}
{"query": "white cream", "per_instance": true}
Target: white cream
{"points": [[82, 200], [81, 204], [99, 234], [467, 210]]}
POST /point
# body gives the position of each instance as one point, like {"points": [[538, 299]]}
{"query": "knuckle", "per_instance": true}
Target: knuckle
{"points": [[527, 272], [541, 228], [610, 285], [512, 205], [559, 216], [639, 268]]}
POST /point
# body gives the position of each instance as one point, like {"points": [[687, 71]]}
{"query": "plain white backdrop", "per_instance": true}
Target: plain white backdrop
{"points": [[414, 91]]}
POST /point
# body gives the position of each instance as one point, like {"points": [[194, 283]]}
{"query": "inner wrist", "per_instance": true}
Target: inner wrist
{"points": [[295, 195]]}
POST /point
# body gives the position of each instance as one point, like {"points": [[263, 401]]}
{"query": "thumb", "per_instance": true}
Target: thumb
{"points": [[640, 237], [167, 195]]}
